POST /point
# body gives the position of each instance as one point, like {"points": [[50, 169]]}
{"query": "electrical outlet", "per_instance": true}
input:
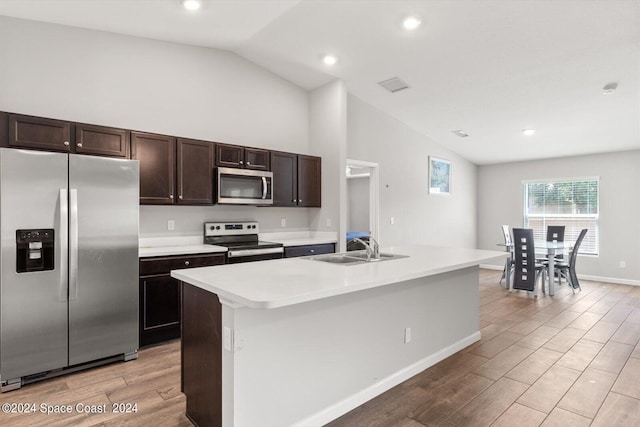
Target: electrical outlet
{"points": [[283, 222], [623, 264], [407, 335], [392, 220], [171, 225], [328, 222]]}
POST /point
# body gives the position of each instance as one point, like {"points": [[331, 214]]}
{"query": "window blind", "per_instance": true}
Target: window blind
{"points": [[573, 203]]}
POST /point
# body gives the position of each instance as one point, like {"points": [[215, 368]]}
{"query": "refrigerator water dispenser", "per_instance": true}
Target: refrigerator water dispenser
{"points": [[34, 250]]}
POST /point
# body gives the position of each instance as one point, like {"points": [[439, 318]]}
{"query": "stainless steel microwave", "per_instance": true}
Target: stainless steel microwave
{"points": [[244, 186]]}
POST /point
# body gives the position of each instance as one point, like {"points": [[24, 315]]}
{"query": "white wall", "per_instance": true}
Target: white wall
{"points": [[403, 155], [500, 198], [134, 83], [358, 204], [328, 139]]}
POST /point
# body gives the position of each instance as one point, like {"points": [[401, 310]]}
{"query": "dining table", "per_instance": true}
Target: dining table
{"points": [[551, 248]]}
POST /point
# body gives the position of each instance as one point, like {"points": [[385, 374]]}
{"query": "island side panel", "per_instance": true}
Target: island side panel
{"points": [[202, 356], [309, 363]]}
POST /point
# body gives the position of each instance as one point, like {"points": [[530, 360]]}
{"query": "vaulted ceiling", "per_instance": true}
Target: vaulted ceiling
{"points": [[489, 68]]}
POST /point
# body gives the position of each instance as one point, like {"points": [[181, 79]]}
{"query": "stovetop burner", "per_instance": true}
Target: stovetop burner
{"points": [[242, 240], [236, 235]]}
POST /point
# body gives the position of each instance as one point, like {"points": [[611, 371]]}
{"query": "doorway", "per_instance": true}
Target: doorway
{"points": [[362, 201]]}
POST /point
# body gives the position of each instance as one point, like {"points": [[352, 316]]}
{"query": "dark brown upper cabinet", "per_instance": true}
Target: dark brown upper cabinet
{"points": [[236, 156], [195, 172], [309, 181], [101, 141], [156, 154], [296, 179], [39, 133], [4, 129]]}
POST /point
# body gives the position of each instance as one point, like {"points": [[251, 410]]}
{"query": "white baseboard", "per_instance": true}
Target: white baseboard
{"points": [[340, 408], [616, 280], [610, 280]]}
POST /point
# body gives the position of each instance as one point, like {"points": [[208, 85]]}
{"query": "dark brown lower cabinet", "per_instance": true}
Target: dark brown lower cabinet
{"points": [[160, 295], [306, 250], [159, 310], [202, 356]]}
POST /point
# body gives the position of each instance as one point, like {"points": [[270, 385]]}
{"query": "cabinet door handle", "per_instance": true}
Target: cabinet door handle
{"points": [[180, 197], [186, 263], [294, 201], [312, 250], [248, 163], [300, 201], [79, 144], [241, 162], [171, 196], [66, 143]]}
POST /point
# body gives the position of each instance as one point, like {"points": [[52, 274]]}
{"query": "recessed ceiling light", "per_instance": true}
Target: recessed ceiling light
{"points": [[411, 22], [529, 132], [191, 4], [609, 88], [460, 133], [329, 60]]}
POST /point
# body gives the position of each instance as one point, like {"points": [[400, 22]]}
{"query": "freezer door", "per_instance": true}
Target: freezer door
{"points": [[33, 305], [103, 257]]}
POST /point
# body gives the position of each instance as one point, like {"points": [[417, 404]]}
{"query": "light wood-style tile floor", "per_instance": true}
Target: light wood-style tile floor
{"points": [[152, 382], [569, 360]]}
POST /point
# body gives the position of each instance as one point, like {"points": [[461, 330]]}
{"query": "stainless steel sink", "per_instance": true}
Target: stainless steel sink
{"points": [[353, 258], [383, 256]]}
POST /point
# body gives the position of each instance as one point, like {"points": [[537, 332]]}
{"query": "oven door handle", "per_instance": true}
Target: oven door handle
{"points": [[251, 252]]}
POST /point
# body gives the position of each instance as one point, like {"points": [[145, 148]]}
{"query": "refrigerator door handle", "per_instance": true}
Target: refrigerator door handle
{"points": [[73, 244], [63, 235]]}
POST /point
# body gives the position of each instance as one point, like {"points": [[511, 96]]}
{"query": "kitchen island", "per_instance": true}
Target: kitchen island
{"points": [[301, 342]]}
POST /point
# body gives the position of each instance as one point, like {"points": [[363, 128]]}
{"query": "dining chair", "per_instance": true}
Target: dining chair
{"points": [[555, 233], [508, 242], [568, 270], [526, 269]]}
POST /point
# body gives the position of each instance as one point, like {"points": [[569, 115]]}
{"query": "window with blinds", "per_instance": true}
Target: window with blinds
{"points": [[572, 203]]}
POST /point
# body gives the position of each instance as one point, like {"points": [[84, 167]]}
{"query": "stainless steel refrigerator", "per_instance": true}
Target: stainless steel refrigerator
{"points": [[68, 263]]}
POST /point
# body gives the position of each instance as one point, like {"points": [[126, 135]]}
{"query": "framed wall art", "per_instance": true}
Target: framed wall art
{"points": [[439, 176]]}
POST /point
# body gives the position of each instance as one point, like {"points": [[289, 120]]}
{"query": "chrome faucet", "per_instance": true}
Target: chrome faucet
{"points": [[371, 251]]}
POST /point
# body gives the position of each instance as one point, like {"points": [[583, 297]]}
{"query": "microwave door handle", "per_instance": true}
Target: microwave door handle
{"points": [[264, 188]]}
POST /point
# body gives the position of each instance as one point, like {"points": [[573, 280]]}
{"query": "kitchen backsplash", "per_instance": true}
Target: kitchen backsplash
{"points": [[188, 220]]}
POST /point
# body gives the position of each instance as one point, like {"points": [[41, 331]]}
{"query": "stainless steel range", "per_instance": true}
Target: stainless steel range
{"points": [[242, 240]]}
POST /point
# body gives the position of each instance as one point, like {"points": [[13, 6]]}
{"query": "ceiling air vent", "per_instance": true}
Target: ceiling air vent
{"points": [[394, 84]]}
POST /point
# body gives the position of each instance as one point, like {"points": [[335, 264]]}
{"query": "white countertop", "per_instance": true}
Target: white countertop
{"points": [[144, 252], [289, 281], [175, 245], [188, 245], [300, 238]]}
